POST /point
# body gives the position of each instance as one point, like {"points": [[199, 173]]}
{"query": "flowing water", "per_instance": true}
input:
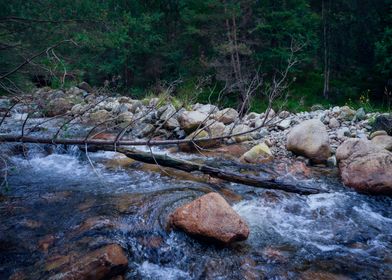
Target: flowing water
{"points": [[61, 203]]}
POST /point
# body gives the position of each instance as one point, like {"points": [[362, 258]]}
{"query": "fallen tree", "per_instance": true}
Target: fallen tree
{"points": [[167, 161], [188, 166]]}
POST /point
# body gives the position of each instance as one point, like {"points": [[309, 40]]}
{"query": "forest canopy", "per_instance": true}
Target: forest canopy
{"points": [[342, 49]]}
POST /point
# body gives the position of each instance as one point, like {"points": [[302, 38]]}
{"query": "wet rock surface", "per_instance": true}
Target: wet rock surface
{"points": [[212, 218]]}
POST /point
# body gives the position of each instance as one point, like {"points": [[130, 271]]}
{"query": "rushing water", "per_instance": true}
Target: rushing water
{"points": [[80, 203]]}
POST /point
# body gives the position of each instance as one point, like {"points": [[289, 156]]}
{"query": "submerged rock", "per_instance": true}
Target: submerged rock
{"points": [[106, 262], [365, 166], [210, 217], [310, 139]]}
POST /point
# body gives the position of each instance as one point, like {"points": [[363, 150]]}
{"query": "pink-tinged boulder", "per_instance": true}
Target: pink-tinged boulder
{"points": [[365, 166], [210, 217], [310, 139]]}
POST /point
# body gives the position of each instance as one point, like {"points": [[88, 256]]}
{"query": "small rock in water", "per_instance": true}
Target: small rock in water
{"points": [[212, 218]]}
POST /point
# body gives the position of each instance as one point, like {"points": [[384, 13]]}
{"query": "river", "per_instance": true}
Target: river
{"points": [[60, 203]]}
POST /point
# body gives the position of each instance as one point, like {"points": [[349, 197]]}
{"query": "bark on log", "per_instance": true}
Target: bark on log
{"points": [[230, 176], [166, 161]]}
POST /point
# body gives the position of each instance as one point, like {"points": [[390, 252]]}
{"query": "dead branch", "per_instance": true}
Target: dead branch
{"points": [[28, 60]]}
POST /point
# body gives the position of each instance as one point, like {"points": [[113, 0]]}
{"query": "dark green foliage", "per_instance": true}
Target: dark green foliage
{"points": [[135, 45]]}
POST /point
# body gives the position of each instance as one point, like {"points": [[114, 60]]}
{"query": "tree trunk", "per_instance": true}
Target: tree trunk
{"points": [[229, 176], [326, 50]]}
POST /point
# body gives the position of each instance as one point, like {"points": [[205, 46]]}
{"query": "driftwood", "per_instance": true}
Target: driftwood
{"points": [[184, 165], [166, 161]]}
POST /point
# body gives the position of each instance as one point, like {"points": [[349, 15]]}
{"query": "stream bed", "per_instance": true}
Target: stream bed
{"points": [[60, 203]]}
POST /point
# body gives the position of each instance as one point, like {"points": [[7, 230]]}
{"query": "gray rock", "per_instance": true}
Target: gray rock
{"points": [[343, 132], [125, 117], [190, 120], [383, 122], [377, 133], [169, 112], [135, 106], [383, 141], [310, 139], [205, 108], [226, 116], [331, 161], [360, 114], [284, 114], [334, 123], [284, 124], [100, 116], [86, 87]]}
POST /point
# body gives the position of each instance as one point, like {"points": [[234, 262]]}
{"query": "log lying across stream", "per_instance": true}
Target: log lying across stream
{"points": [[167, 161], [188, 166]]}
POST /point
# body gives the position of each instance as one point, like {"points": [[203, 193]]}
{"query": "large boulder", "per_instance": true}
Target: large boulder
{"points": [[310, 139], [226, 116], [103, 263], [191, 120], [210, 217], [365, 166]]}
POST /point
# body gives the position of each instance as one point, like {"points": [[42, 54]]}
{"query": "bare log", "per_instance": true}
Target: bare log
{"points": [[166, 161], [187, 166]]}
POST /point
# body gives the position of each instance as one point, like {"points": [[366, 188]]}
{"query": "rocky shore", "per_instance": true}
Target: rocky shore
{"points": [[312, 137]]}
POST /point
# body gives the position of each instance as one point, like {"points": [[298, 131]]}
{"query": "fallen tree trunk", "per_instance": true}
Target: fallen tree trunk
{"points": [[166, 161], [229, 176]]}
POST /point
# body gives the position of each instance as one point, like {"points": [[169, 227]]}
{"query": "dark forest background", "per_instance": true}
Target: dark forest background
{"points": [[342, 49]]}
